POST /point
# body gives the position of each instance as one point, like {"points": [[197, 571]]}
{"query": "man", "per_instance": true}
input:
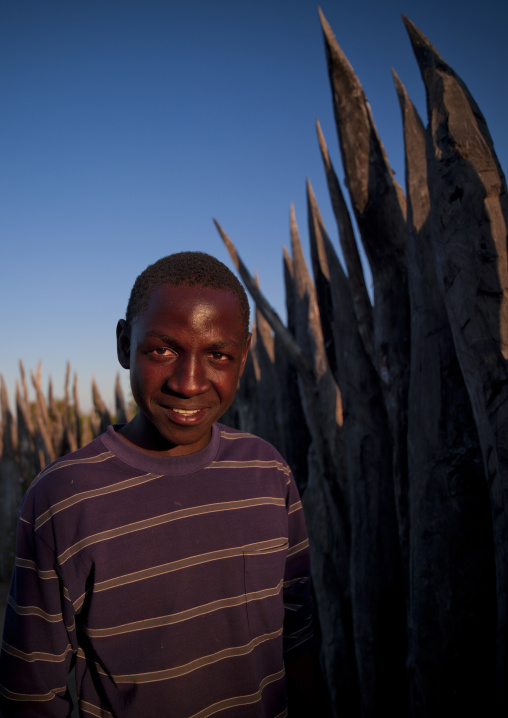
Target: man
{"points": [[168, 559]]}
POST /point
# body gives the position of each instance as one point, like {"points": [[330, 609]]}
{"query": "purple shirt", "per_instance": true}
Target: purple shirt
{"points": [[174, 583]]}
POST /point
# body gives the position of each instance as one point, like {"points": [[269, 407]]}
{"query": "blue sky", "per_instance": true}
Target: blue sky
{"points": [[126, 125]]}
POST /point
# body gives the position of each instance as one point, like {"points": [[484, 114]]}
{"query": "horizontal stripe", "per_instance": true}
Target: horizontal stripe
{"points": [[172, 618], [72, 462], [233, 652], [166, 518], [78, 603], [270, 546], [240, 700], [291, 607], [237, 435], [297, 506], [252, 464], [36, 655], [31, 697], [81, 654], [34, 611], [86, 707], [298, 547], [92, 493], [302, 579], [31, 565]]}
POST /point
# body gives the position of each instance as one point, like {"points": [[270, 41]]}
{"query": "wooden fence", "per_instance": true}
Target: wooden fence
{"points": [[38, 433], [393, 412]]}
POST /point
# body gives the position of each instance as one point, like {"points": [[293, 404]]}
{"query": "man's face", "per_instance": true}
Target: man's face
{"points": [[186, 353]]}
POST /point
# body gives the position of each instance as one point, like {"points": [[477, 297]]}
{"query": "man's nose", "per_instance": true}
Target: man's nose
{"points": [[188, 377]]}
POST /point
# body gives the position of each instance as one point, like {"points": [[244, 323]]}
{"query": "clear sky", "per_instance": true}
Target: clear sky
{"points": [[126, 125]]}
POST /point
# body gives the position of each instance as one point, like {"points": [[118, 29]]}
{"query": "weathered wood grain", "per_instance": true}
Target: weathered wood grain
{"points": [[468, 227], [380, 212], [451, 624], [326, 498], [361, 300], [377, 592]]}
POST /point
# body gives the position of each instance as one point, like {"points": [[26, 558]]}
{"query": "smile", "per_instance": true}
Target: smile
{"points": [[185, 417]]}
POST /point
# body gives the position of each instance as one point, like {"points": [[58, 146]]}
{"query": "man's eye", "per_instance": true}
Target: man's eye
{"points": [[219, 356], [162, 351]]}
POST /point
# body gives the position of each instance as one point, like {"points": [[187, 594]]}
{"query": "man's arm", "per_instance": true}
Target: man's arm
{"points": [[36, 650]]}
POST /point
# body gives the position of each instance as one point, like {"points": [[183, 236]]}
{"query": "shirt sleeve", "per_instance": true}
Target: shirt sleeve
{"points": [[38, 638], [298, 627]]}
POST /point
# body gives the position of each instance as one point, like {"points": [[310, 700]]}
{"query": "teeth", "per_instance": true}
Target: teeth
{"points": [[186, 411]]}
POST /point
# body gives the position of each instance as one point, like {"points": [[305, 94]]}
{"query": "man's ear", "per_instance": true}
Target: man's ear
{"points": [[123, 344]]}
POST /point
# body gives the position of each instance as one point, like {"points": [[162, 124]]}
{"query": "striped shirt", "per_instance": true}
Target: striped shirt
{"points": [[174, 584]]}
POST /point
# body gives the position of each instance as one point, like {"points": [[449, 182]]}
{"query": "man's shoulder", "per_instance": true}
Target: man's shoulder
{"points": [[94, 452], [247, 445], [60, 478]]}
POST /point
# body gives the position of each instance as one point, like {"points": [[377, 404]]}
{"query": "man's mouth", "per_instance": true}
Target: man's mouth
{"points": [[187, 412], [186, 416]]}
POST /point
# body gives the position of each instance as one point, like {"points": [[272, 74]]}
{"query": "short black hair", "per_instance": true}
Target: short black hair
{"points": [[185, 269]]}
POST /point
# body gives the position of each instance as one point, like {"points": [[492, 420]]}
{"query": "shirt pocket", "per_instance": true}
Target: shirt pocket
{"points": [[264, 578]]}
